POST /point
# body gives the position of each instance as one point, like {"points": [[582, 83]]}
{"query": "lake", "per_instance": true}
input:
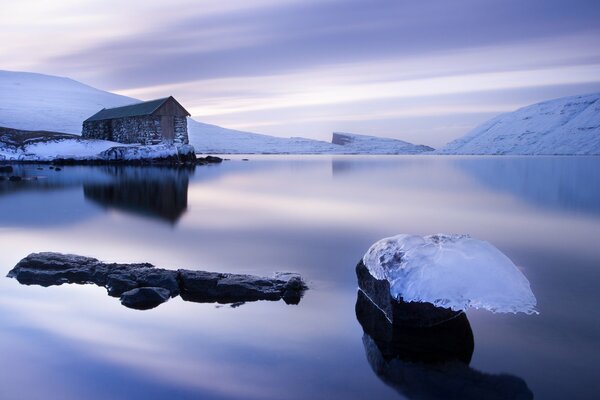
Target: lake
{"points": [[315, 215]]}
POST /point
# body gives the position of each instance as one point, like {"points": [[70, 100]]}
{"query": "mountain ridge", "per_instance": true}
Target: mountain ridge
{"points": [[563, 126]]}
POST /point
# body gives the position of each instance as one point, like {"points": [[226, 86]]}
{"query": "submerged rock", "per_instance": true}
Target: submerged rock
{"points": [[143, 286], [430, 362]]}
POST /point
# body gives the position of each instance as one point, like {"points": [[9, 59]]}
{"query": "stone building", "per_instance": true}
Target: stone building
{"points": [[148, 122]]}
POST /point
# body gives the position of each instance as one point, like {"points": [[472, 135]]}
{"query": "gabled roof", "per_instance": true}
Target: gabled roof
{"points": [[132, 110]]}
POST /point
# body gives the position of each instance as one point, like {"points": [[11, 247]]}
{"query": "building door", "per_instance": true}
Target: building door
{"points": [[167, 126]]}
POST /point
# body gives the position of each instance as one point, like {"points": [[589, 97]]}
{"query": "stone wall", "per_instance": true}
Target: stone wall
{"points": [[96, 130], [144, 130], [181, 133]]}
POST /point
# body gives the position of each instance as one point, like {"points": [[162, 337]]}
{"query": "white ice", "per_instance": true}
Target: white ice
{"points": [[452, 271]]}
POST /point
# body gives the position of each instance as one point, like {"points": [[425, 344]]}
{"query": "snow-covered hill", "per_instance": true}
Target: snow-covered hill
{"points": [[569, 126], [34, 102], [363, 144]]}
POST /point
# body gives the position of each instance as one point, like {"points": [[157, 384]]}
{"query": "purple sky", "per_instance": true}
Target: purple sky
{"points": [[424, 71]]}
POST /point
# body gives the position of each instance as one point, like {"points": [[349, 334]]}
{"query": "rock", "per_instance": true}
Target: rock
{"points": [[6, 169], [58, 169], [209, 160], [430, 362], [15, 178], [208, 287], [145, 298], [396, 311], [49, 269]]}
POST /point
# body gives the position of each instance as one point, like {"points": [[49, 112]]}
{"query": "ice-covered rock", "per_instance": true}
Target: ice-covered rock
{"points": [[450, 271]]}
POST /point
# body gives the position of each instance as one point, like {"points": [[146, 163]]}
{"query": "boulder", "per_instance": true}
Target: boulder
{"points": [[145, 298], [397, 311], [7, 169]]}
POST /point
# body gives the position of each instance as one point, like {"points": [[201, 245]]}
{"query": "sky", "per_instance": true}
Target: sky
{"points": [[425, 71]]}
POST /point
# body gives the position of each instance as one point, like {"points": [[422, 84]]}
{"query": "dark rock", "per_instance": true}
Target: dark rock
{"points": [[208, 287], [48, 269], [58, 169], [398, 311], [209, 160], [145, 298], [451, 340], [6, 169], [116, 285], [2, 178], [15, 178], [430, 362], [245, 159]]}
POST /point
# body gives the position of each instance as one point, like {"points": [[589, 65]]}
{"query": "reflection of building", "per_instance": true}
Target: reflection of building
{"points": [[432, 362], [148, 122], [155, 191]]}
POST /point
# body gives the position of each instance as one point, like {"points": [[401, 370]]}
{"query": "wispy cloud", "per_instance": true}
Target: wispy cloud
{"points": [[239, 59]]}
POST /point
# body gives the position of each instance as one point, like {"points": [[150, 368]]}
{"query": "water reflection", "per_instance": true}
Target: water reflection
{"points": [[430, 363], [558, 183], [157, 192], [151, 191]]}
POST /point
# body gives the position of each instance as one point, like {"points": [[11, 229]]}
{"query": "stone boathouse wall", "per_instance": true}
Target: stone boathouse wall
{"points": [[144, 130]]}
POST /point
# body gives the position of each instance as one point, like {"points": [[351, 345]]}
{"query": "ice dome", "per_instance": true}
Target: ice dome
{"points": [[451, 271]]}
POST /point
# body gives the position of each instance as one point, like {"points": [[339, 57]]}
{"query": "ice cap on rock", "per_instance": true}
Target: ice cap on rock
{"points": [[451, 271]]}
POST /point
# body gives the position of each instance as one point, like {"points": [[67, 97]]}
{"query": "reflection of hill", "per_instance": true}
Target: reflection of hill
{"points": [[430, 363], [565, 183], [154, 191]]}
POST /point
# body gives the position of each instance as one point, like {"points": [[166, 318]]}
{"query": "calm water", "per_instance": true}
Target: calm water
{"points": [[313, 215]]}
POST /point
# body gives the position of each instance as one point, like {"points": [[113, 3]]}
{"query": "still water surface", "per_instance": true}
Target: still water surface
{"points": [[312, 215]]}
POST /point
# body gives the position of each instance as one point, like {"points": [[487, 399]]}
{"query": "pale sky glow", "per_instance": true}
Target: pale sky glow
{"points": [[424, 72]]}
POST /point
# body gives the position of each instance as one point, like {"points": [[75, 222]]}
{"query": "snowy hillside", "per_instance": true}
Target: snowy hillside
{"points": [[35, 102], [569, 125], [363, 144]]}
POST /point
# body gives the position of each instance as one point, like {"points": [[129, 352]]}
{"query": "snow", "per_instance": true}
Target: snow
{"points": [[80, 149], [364, 144], [451, 271], [30, 101], [568, 126]]}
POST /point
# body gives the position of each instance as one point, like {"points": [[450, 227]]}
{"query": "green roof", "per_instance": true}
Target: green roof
{"points": [[133, 110]]}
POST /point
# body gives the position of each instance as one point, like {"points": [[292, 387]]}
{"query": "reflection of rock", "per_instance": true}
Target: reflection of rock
{"points": [[397, 311], [430, 362], [144, 286], [448, 341], [154, 191]]}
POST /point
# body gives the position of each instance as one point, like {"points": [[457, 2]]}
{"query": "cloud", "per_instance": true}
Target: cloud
{"points": [[228, 60]]}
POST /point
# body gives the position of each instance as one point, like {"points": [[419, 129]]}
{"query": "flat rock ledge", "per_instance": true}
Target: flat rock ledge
{"points": [[143, 286], [397, 311]]}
